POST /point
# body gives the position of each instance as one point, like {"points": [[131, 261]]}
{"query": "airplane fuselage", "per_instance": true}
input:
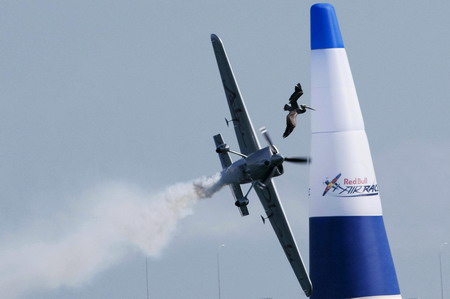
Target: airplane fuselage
{"points": [[255, 167]]}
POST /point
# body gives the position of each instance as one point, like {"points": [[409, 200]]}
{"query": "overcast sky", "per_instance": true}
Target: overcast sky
{"points": [[106, 102]]}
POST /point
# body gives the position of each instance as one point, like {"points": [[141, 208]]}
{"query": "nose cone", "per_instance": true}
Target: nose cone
{"points": [[277, 159], [325, 32]]}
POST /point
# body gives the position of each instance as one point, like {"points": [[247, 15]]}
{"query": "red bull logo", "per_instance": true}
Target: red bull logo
{"points": [[355, 181], [351, 187]]}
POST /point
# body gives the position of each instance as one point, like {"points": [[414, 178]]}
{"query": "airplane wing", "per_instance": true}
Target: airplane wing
{"points": [[248, 143], [275, 213]]}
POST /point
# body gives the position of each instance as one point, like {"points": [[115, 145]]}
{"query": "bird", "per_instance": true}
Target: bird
{"points": [[294, 110]]}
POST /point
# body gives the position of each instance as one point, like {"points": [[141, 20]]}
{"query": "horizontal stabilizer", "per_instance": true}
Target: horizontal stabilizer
{"points": [[224, 157], [237, 193], [225, 160]]}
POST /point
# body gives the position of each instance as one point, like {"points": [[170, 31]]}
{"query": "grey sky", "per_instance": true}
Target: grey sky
{"points": [[129, 92]]}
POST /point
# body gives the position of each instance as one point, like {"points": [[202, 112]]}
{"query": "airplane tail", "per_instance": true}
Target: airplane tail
{"points": [[349, 250], [240, 200]]}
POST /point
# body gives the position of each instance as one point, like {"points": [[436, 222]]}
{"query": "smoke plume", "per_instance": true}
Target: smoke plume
{"points": [[114, 219]]}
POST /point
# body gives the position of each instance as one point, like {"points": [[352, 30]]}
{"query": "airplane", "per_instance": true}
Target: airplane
{"points": [[333, 184], [256, 166]]}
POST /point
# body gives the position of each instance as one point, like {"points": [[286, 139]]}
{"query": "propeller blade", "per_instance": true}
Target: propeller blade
{"points": [[263, 183], [272, 173], [269, 140], [297, 159]]}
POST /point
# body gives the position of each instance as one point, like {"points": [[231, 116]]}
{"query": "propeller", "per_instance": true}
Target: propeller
{"points": [[297, 159], [266, 135], [277, 159], [263, 184], [275, 151]]}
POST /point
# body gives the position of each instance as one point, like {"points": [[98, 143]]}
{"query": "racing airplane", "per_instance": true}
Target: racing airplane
{"points": [[256, 166]]}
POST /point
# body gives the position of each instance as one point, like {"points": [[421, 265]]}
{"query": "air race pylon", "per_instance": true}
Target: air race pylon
{"points": [[349, 249]]}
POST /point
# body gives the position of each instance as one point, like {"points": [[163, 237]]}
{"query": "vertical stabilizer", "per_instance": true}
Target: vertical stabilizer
{"points": [[349, 250]]}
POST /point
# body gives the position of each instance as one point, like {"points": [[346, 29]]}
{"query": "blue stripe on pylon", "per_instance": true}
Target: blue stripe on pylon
{"points": [[350, 258]]}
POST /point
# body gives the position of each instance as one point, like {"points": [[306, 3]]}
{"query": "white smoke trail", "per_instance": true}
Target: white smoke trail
{"points": [[117, 217]]}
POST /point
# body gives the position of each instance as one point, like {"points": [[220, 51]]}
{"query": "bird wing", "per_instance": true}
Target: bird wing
{"points": [[291, 119], [298, 92], [291, 123]]}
